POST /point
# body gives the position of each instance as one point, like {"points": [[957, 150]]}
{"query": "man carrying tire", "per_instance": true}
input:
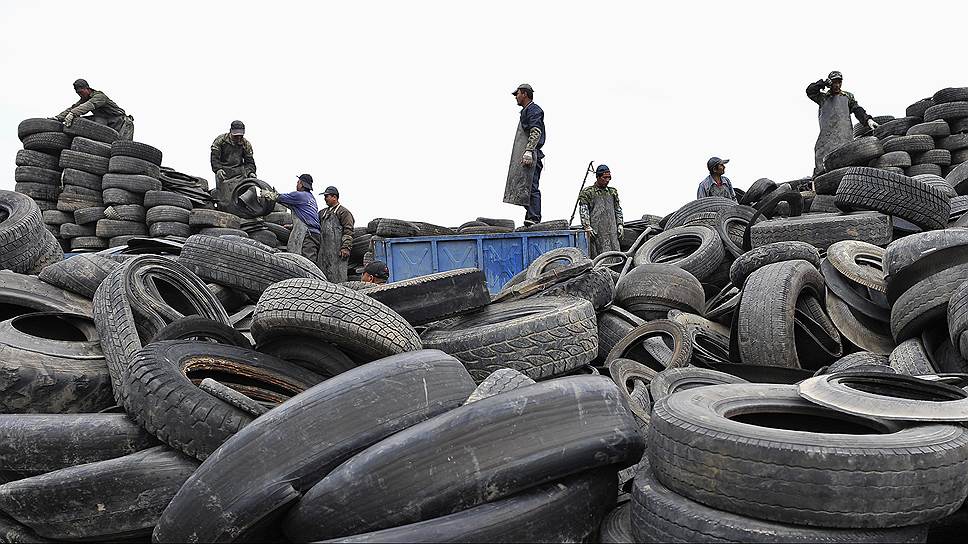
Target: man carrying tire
{"points": [[102, 110], [836, 106], [232, 154], [716, 184], [376, 272], [527, 159], [601, 213], [304, 239], [335, 238]]}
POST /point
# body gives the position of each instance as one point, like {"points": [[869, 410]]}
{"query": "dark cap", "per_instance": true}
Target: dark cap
{"points": [[237, 128], [81, 84], [307, 180], [378, 269], [714, 162], [524, 86], [602, 168], [331, 191], [835, 75]]}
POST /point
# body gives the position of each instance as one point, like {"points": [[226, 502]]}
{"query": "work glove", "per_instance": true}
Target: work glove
{"points": [[250, 175], [69, 119], [826, 83], [872, 123], [220, 173], [528, 159], [344, 253], [590, 231], [270, 195], [621, 230]]}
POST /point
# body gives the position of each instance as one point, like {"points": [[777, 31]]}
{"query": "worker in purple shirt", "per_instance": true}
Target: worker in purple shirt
{"points": [[303, 205]]}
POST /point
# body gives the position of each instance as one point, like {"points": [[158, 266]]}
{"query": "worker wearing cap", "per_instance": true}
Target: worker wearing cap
{"points": [[102, 110], [601, 213], [304, 239], [836, 106], [532, 123], [376, 272], [336, 237], [232, 154], [716, 184]]}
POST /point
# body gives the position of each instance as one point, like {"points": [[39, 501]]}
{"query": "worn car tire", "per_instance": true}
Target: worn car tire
{"points": [[120, 164], [138, 150], [134, 183], [776, 252], [85, 162], [91, 130], [433, 297], [167, 198], [893, 194], [81, 274], [651, 290]]}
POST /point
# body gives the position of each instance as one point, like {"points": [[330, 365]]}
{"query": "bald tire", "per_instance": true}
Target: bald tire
{"points": [[36, 125], [80, 274], [120, 164], [85, 162], [85, 145], [33, 174], [822, 230], [540, 337], [433, 297], [167, 198]]}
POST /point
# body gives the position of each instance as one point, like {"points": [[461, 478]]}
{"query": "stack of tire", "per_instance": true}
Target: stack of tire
{"points": [[134, 169], [84, 167], [26, 244], [215, 223], [38, 173], [167, 214]]}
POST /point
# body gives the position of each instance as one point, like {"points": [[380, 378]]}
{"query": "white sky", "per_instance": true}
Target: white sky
{"points": [[406, 106]]}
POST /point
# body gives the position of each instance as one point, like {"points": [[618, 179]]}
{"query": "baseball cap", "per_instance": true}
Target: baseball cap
{"points": [[714, 162], [237, 128], [331, 191], [81, 84], [377, 269], [306, 179], [835, 75], [524, 86]]}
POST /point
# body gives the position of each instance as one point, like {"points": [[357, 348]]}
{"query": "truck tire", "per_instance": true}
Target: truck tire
{"points": [[893, 194], [434, 297]]}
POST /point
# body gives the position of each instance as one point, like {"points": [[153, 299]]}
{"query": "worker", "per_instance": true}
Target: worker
{"points": [[836, 105], [305, 229], [232, 154], [601, 213], [522, 187], [716, 184], [102, 110], [336, 237], [376, 272]]}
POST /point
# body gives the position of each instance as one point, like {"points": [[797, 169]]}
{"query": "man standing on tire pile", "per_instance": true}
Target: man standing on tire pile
{"points": [[232, 154], [336, 237], [601, 213], [103, 110], [836, 105], [716, 184], [527, 159], [304, 239]]}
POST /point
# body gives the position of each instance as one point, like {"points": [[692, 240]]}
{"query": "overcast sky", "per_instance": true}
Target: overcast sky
{"points": [[406, 106]]}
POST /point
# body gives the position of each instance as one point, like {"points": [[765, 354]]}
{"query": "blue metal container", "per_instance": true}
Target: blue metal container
{"points": [[500, 256]]}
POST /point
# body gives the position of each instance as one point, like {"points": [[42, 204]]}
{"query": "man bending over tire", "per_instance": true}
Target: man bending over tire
{"points": [[601, 213], [232, 154], [102, 110], [305, 230]]}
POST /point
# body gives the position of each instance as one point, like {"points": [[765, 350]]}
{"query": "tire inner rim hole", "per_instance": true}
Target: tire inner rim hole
{"points": [[926, 391], [649, 350], [247, 385], [808, 420], [65, 328], [10, 310], [869, 261], [173, 296]]}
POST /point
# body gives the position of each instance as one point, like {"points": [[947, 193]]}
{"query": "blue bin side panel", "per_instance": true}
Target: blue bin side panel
{"points": [[503, 258], [454, 254], [411, 259]]}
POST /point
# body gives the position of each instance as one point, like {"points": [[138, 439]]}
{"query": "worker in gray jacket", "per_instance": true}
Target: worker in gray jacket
{"points": [[102, 110]]}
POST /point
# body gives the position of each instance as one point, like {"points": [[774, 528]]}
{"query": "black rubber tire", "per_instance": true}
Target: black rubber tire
{"points": [[434, 297], [935, 129], [108, 500], [138, 150], [540, 337], [283, 455], [310, 353], [613, 324], [281, 218], [240, 266], [74, 190], [167, 198], [595, 286], [827, 183], [114, 197], [822, 230], [219, 232], [896, 159], [910, 358], [79, 178], [582, 419], [163, 213], [926, 301], [38, 191], [21, 294], [109, 228], [37, 159], [134, 183], [86, 216], [907, 251], [214, 218], [506, 223], [36, 125], [673, 246], [896, 127], [854, 153], [119, 164], [165, 228], [950, 94], [48, 142], [675, 379], [545, 226], [858, 359], [395, 228], [949, 111], [780, 469], [119, 241], [33, 174], [916, 143], [955, 142], [92, 147], [81, 274], [91, 130], [929, 169], [556, 258], [359, 325], [165, 401], [659, 515], [196, 327], [92, 164], [766, 313], [71, 230], [57, 217], [672, 334], [893, 194], [651, 290], [125, 212], [498, 382], [88, 243], [939, 157], [776, 252], [679, 217], [731, 225], [757, 191], [21, 232], [266, 237]]}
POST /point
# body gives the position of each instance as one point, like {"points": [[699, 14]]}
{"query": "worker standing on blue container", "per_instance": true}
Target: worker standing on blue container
{"points": [[601, 213], [527, 159]]}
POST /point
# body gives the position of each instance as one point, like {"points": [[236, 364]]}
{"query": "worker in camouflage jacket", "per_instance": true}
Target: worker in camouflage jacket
{"points": [[836, 106], [232, 154], [96, 106], [601, 213]]}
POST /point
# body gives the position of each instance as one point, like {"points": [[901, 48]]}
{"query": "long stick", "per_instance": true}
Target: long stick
{"points": [[583, 182]]}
